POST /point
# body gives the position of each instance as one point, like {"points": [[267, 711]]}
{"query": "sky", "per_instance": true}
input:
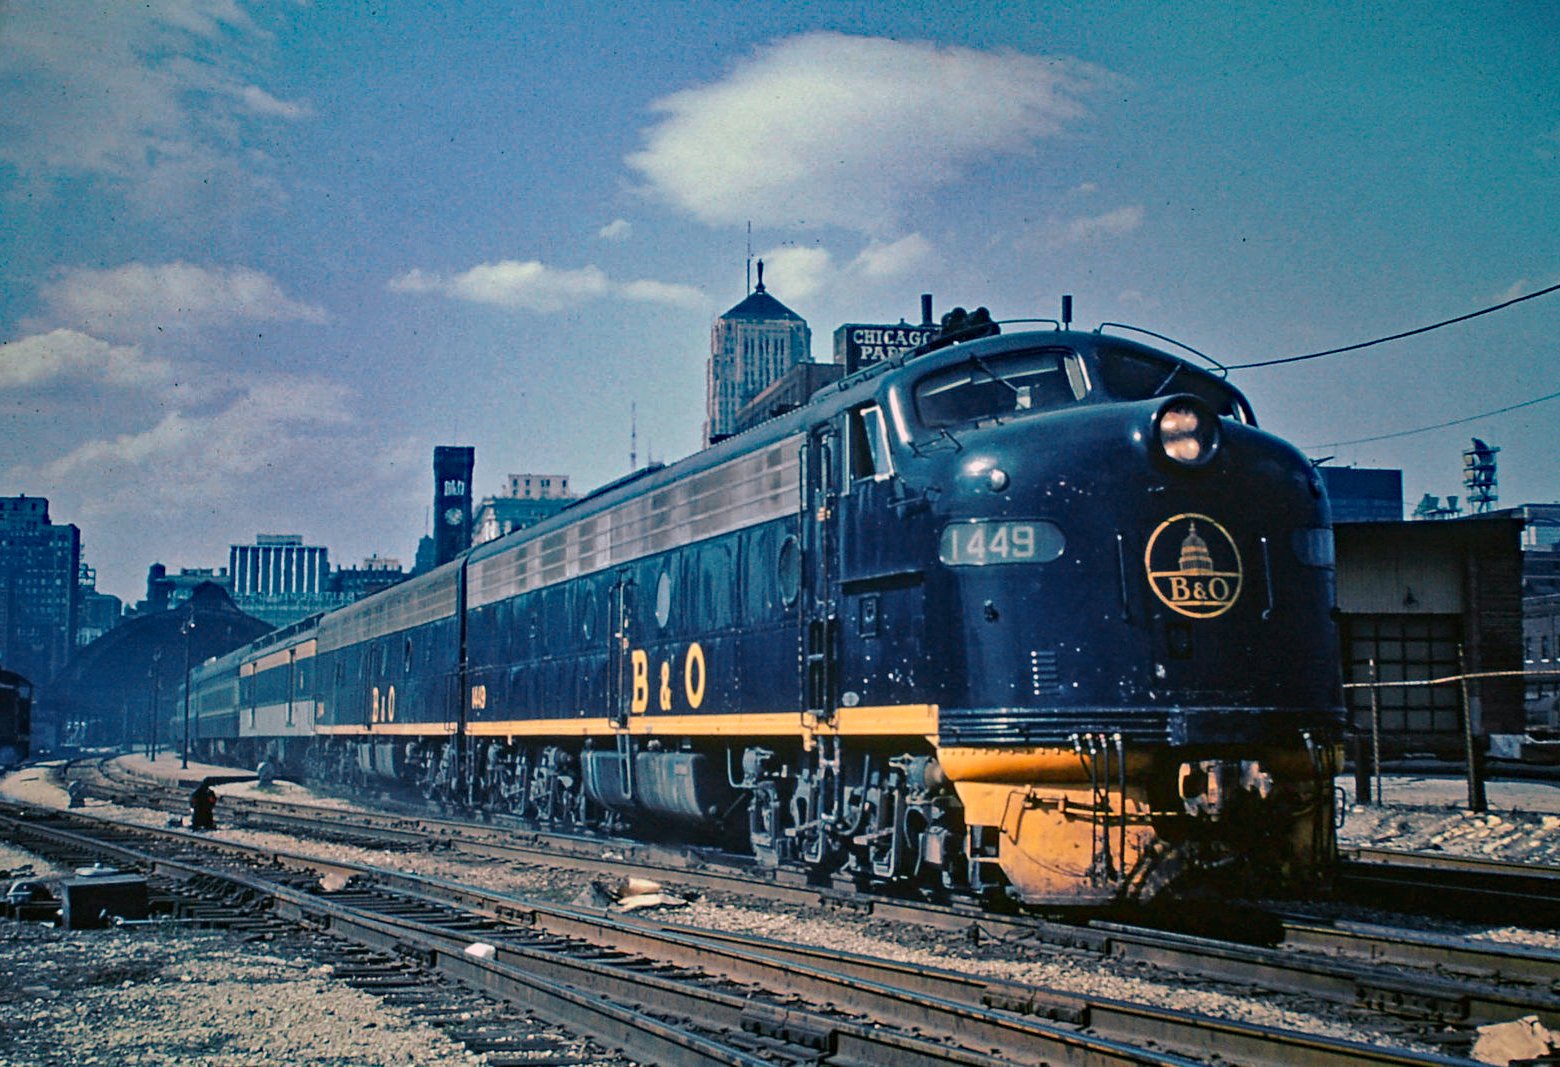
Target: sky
{"points": [[258, 259]]}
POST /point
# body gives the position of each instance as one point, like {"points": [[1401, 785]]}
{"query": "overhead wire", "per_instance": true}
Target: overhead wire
{"points": [[1396, 336], [1437, 426]]}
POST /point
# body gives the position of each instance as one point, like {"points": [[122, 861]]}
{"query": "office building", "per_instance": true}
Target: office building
{"points": [[40, 563], [751, 346], [527, 499]]}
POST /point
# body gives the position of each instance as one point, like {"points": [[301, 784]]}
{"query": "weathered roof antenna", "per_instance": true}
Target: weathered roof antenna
{"points": [[633, 436], [750, 257]]}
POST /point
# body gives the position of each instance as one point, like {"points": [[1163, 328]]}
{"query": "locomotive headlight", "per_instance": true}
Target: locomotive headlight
{"points": [[1187, 431]]}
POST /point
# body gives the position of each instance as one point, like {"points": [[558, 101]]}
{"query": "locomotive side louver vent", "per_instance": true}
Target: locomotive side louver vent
{"points": [[1043, 674]]}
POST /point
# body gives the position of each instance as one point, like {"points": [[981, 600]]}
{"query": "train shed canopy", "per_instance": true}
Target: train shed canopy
{"points": [[113, 689]]}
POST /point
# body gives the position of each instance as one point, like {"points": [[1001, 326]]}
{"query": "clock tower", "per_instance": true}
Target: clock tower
{"points": [[452, 468]]}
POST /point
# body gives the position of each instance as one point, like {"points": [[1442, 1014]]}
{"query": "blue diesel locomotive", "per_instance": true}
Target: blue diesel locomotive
{"points": [[1039, 614]]}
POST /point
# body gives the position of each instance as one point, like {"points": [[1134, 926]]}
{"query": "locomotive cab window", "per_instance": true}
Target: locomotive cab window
{"points": [[1000, 387], [866, 447], [1131, 375]]}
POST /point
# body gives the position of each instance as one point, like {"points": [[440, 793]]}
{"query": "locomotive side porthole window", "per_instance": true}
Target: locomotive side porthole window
{"points": [[790, 571], [663, 599]]}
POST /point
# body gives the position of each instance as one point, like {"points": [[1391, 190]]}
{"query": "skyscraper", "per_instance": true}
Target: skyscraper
{"points": [[751, 346], [39, 567]]}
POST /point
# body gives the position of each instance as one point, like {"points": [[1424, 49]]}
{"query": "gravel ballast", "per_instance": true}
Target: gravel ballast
{"points": [[162, 994], [1062, 971]]}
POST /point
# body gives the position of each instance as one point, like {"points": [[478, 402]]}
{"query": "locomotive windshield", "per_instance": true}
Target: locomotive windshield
{"points": [[1131, 375], [1000, 386]]}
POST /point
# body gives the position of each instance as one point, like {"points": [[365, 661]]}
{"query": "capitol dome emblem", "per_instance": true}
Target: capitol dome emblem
{"points": [[1193, 566]]}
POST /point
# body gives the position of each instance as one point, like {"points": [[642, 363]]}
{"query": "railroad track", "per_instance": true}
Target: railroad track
{"points": [[671, 994], [186, 891], [1466, 888], [1444, 884], [1423, 978]]}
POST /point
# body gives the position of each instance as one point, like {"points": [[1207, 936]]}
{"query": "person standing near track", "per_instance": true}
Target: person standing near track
{"points": [[203, 806]]}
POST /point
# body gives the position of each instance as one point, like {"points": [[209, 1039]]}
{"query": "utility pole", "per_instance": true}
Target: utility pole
{"points": [[185, 628], [151, 718]]}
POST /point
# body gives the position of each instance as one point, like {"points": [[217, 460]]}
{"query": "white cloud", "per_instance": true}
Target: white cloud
{"points": [[1136, 298], [139, 298], [1523, 286], [1092, 227], [832, 129], [173, 484], [669, 293], [153, 95], [260, 102], [187, 455], [416, 280], [68, 355], [529, 285], [798, 272], [510, 283], [534, 286], [895, 259], [176, 473], [616, 230]]}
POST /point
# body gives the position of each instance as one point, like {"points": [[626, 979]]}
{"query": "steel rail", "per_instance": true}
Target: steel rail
{"points": [[1470, 995], [1460, 886], [911, 996], [1466, 998], [1474, 959], [597, 997]]}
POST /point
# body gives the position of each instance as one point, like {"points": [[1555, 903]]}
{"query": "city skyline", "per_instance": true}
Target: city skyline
{"points": [[262, 260]]}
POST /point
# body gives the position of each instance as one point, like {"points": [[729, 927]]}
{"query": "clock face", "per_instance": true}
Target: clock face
{"points": [[454, 516]]}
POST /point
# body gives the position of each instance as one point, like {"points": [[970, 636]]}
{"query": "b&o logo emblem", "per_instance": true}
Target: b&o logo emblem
{"points": [[1193, 566]]}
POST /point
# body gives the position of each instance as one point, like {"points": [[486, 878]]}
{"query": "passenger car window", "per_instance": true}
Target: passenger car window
{"points": [[1002, 386]]}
